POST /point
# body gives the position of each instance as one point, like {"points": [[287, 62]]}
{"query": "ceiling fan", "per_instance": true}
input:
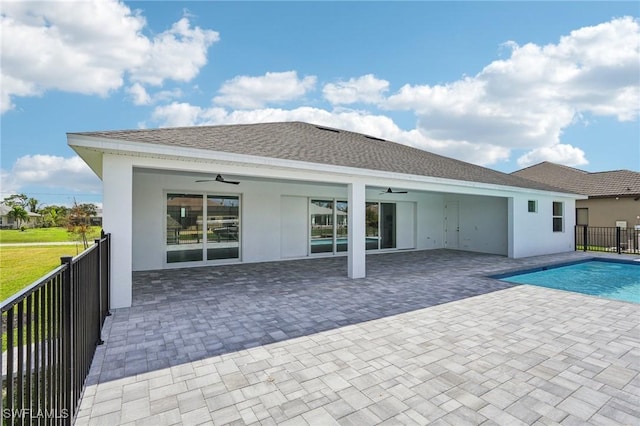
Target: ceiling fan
{"points": [[220, 179], [391, 191]]}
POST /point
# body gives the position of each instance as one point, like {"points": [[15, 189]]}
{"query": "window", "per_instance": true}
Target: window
{"points": [[202, 227], [558, 216], [329, 226], [582, 217], [532, 206]]}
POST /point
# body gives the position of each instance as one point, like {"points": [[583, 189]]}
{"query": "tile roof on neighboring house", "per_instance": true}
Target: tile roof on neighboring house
{"points": [[615, 183], [319, 144]]}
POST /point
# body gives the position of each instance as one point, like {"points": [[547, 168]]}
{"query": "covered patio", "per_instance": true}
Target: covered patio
{"points": [[425, 338]]}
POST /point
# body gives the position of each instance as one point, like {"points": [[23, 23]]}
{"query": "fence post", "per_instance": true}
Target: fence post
{"points": [[100, 310], [67, 333], [618, 239], [585, 233], [108, 283]]}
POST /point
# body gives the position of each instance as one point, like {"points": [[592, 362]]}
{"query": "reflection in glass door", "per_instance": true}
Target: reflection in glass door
{"points": [[342, 226], [185, 227], [223, 225], [184, 234], [321, 226], [329, 226], [372, 232], [380, 225], [387, 225]]}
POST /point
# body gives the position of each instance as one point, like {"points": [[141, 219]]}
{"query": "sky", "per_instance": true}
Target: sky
{"points": [[501, 84]]}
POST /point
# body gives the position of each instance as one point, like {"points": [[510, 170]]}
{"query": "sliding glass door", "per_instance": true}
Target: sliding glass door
{"points": [[191, 238], [380, 225], [223, 226], [329, 226], [184, 235]]}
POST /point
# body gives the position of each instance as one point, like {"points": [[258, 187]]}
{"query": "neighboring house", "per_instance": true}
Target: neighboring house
{"points": [[614, 196], [291, 190], [8, 222]]}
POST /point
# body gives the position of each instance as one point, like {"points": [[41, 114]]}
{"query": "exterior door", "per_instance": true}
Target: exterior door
{"points": [[387, 225], [451, 225]]}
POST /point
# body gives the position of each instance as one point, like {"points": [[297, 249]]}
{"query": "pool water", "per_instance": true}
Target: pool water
{"points": [[608, 279]]}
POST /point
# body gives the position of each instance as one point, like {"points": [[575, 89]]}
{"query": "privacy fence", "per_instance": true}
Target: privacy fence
{"points": [[51, 330], [609, 239]]}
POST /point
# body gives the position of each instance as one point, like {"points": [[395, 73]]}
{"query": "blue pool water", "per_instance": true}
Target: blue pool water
{"points": [[608, 279]]}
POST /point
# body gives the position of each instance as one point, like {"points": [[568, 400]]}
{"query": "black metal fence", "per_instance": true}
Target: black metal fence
{"points": [[51, 329], [609, 239]]}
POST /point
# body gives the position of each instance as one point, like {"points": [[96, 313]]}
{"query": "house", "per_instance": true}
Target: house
{"points": [[8, 222], [291, 190], [613, 196]]}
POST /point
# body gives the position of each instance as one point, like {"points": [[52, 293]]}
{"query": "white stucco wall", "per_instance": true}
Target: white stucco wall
{"points": [[266, 220], [532, 234], [482, 224], [485, 224]]}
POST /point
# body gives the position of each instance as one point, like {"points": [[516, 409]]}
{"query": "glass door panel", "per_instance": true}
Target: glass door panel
{"points": [[223, 227], [388, 225], [372, 231], [321, 226], [342, 225], [184, 233]]}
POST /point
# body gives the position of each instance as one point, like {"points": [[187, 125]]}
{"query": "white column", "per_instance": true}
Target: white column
{"points": [[357, 230], [117, 219], [511, 223]]}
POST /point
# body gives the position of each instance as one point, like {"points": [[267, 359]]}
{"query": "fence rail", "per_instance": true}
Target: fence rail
{"points": [[51, 329], [609, 239]]}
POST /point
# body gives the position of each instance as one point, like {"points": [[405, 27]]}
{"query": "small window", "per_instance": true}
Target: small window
{"points": [[558, 216], [532, 206]]}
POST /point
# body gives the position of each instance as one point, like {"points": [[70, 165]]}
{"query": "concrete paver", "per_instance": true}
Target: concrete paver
{"points": [[425, 338]]}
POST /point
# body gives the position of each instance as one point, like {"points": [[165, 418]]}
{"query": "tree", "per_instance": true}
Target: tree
{"points": [[33, 205], [19, 214], [79, 220], [16, 200], [53, 215]]}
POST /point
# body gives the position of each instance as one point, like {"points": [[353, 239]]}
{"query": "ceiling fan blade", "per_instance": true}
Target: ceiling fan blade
{"points": [[220, 179], [391, 191]]}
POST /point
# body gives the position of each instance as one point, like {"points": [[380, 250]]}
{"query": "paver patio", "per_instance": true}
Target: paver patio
{"points": [[424, 339]]}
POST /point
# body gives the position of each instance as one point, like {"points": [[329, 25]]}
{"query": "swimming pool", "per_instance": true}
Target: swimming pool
{"points": [[611, 279]]}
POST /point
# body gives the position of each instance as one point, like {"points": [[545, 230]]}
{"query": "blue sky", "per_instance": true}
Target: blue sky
{"points": [[500, 84]]}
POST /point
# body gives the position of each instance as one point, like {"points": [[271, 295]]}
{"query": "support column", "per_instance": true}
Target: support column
{"points": [[357, 230], [511, 249], [117, 219]]}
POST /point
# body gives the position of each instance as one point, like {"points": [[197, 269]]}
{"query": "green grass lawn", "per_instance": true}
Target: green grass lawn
{"points": [[21, 266], [44, 235]]}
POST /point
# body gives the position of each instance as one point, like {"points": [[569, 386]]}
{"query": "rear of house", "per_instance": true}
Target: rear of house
{"points": [[212, 195]]}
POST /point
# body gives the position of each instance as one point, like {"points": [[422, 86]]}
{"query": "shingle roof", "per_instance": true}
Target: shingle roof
{"points": [[318, 144], [613, 183]]}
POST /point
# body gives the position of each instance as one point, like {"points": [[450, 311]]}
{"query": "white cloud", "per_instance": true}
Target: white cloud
{"points": [[560, 153], [367, 89], [90, 47], [246, 92], [139, 95], [523, 102], [51, 171], [176, 54], [527, 100]]}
